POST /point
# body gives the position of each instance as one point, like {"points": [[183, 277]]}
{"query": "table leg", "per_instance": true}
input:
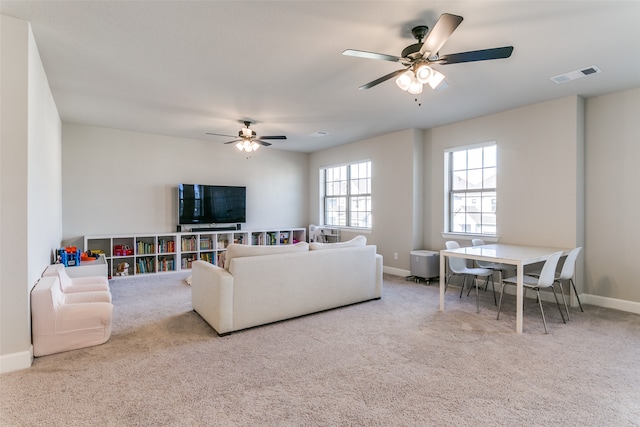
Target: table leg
{"points": [[442, 280], [519, 297]]}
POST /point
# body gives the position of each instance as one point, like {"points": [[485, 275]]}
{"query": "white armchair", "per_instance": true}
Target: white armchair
{"points": [[62, 322]]}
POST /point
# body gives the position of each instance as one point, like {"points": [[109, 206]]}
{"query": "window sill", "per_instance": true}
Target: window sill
{"points": [[350, 229], [488, 238]]}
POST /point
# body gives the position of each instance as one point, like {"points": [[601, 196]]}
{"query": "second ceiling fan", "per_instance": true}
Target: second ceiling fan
{"points": [[247, 139], [418, 57]]}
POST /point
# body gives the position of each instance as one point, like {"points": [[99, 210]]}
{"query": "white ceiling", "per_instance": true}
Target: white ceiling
{"points": [[184, 68]]}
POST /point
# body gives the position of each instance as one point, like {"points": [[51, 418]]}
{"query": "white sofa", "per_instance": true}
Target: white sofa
{"points": [[265, 284]]}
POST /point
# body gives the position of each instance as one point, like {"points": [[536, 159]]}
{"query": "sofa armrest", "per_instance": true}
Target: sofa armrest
{"points": [[379, 278], [91, 280], [92, 287], [212, 295], [82, 297]]}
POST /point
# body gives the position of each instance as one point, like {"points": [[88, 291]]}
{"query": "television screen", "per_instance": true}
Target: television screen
{"points": [[211, 204]]}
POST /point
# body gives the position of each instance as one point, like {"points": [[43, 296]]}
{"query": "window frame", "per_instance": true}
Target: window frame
{"points": [[348, 197], [449, 192]]}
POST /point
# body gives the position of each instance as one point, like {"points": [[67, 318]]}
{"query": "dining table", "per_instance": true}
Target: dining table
{"points": [[517, 255]]}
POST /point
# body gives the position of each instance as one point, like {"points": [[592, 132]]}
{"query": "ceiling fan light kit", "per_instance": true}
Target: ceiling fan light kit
{"points": [[247, 146], [418, 57], [420, 74], [247, 139]]}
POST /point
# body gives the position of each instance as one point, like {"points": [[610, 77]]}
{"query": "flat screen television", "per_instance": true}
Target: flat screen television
{"points": [[211, 204]]}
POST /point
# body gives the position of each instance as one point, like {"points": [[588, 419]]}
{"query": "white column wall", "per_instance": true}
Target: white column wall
{"points": [[612, 154], [30, 209]]}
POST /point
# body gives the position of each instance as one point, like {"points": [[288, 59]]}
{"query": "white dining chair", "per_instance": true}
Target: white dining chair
{"points": [[495, 266], [458, 266], [545, 280]]}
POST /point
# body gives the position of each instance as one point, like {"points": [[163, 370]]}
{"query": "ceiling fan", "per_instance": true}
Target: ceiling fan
{"points": [[247, 139], [418, 57]]}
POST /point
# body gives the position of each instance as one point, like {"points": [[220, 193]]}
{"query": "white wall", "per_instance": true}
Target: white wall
{"points": [[116, 181], [30, 210], [612, 210], [393, 184], [537, 178]]}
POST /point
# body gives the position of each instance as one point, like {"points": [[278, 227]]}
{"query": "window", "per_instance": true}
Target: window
{"points": [[346, 195], [471, 189]]}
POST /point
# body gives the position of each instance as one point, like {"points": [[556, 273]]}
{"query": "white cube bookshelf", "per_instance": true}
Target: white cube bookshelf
{"points": [[175, 252]]}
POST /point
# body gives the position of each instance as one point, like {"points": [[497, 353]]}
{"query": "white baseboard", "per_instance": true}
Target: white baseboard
{"points": [[617, 304], [16, 361], [396, 271]]}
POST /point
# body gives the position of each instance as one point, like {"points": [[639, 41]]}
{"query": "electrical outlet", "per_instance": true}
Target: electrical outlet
{"points": [[395, 255]]}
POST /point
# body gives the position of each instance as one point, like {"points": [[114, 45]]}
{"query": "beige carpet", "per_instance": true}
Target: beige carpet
{"points": [[393, 362]]}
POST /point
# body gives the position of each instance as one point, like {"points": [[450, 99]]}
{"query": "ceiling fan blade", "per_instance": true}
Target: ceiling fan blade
{"points": [[371, 55], [383, 79], [231, 142], [263, 143], [273, 137], [476, 55], [440, 33], [220, 134]]}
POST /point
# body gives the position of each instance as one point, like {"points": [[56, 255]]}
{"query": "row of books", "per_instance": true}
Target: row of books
{"points": [[144, 247], [145, 265], [210, 257], [185, 262], [206, 243], [189, 244], [166, 246], [166, 264]]}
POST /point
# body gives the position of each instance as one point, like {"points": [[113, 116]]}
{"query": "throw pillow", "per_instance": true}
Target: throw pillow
{"points": [[236, 250], [356, 241]]}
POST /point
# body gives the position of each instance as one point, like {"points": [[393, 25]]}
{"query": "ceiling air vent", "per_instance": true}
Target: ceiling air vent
{"points": [[563, 78]]}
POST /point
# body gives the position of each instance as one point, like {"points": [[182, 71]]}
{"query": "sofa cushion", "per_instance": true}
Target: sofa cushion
{"points": [[356, 241], [236, 250]]}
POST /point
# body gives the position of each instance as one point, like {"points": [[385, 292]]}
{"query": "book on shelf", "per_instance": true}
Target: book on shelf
{"points": [[166, 246], [187, 261], [257, 239], [206, 243], [144, 248], [189, 244], [145, 265], [166, 264]]}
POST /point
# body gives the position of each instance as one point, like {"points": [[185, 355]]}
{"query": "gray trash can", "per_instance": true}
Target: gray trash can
{"points": [[425, 265]]}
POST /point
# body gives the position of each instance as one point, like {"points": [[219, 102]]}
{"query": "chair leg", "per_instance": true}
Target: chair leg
{"points": [[564, 300], [576, 292], [558, 303], [493, 289], [542, 312], [477, 296], [500, 303], [464, 281]]}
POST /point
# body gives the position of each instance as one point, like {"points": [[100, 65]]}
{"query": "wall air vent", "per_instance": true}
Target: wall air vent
{"points": [[563, 78]]}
